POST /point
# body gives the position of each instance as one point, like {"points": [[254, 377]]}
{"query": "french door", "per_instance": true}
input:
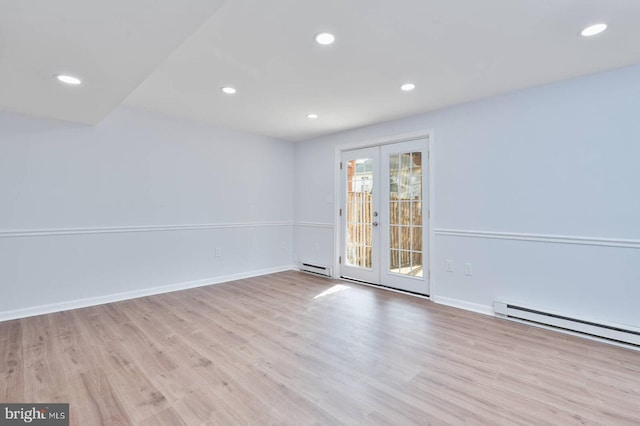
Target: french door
{"points": [[384, 216]]}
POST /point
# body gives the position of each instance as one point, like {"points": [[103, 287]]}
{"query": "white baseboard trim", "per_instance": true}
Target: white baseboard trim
{"points": [[461, 304], [117, 297]]}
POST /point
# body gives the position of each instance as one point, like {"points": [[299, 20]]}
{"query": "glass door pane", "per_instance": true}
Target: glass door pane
{"points": [[405, 214], [360, 231], [359, 212]]}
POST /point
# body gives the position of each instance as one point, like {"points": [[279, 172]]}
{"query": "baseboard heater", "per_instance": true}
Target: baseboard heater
{"points": [[612, 332], [310, 268]]}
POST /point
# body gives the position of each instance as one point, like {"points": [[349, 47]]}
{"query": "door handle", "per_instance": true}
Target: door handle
{"points": [[375, 223]]}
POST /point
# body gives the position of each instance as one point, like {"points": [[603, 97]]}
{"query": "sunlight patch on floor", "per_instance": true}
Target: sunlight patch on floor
{"points": [[336, 288]]}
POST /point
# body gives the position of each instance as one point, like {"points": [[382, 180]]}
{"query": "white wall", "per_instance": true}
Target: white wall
{"points": [[557, 166], [139, 202], [538, 189]]}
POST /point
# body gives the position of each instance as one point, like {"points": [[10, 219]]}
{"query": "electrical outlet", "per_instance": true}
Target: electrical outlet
{"points": [[218, 252], [448, 265], [468, 269]]}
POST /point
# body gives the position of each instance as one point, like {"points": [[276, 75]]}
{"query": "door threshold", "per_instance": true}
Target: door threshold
{"points": [[387, 288]]}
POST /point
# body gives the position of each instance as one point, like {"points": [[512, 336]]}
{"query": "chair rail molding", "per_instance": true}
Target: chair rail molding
{"points": [[314, 224], [137, 228], [544, 238]]}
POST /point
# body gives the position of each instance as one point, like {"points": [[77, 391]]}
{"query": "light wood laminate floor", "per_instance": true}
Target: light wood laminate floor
{"points": [[291, 348]]}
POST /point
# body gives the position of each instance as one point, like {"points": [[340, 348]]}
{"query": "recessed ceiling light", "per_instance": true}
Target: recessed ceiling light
{"points": [[325, 38], [407, 87], [593, 30], [228, 90], [68, 79], [312, 116]]}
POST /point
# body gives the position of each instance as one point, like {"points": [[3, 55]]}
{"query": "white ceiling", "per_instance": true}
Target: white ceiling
{"points": [[113, 45], [173, 57]]}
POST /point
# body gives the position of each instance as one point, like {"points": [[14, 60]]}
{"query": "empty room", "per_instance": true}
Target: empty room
{"points": [[235, 212]]}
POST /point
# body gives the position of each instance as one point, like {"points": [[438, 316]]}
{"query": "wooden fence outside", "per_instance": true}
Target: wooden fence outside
{"points": [[359, 238]]}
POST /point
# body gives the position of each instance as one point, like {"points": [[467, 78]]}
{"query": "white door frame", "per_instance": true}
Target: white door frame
{"points": [[337, 231]]}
